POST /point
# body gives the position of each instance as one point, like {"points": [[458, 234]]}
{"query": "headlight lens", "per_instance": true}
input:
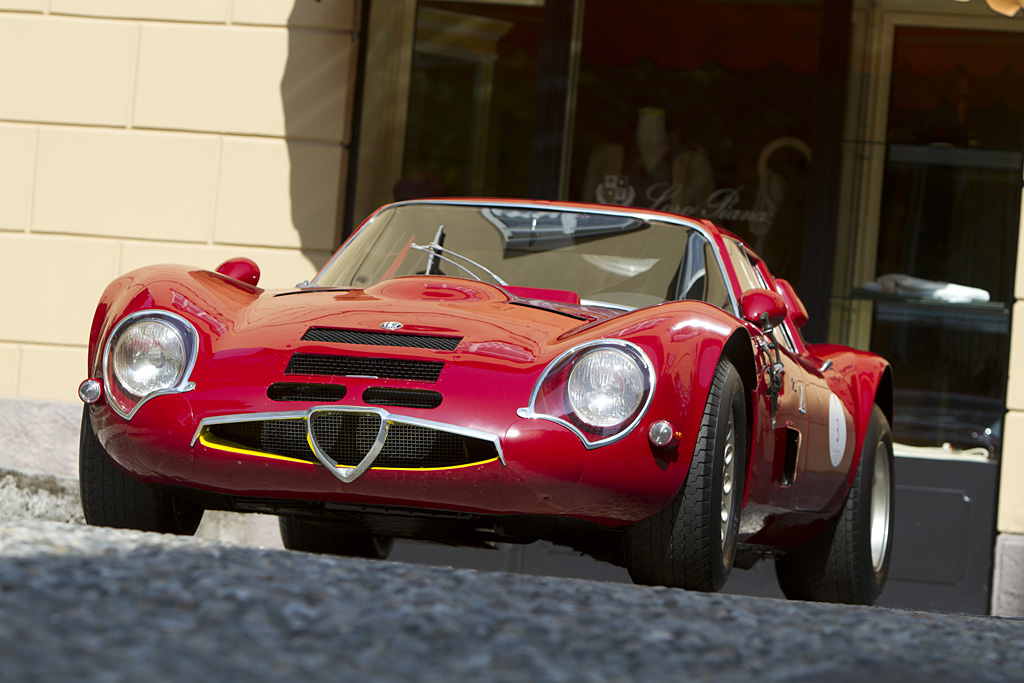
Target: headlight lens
{"points": [[599, 390], [149, 356], [605, 388], [149, 353]]}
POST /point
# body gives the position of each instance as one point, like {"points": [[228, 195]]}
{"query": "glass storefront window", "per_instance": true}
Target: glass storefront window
{"points": [[471, 100], [701, 109], [948, 217], [687, 106]]}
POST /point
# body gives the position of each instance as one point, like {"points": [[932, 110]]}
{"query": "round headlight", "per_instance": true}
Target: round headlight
{"points": [[149, 356], [605, 388]]}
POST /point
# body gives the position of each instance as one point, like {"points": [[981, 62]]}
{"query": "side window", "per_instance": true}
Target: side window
{"points": [[752, 278], [744, 269], [700, 278]]}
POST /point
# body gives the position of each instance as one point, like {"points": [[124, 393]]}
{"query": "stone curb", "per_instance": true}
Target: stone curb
{"points": [[39, 496]]}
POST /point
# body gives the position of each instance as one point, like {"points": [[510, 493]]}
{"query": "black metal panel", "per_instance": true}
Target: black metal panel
{"points": [[943, 539]]}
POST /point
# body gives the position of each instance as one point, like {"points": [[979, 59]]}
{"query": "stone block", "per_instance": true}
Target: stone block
{"points": [[166, 10], [335, 14], [277, 193], [17, 169], [1008, 576], [244, 80], [126, 184], [59, 70], [51, 286]]}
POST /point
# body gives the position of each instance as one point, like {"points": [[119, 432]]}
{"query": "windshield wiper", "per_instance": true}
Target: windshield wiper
{"points": [[437, 251], [434, 253]]}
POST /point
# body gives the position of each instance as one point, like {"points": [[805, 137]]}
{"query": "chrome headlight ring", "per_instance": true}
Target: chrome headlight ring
{"points": [[148, 354], [599, 390]]}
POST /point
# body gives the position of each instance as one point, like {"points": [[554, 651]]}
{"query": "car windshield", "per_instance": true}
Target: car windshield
{"points": [[603, 257]]}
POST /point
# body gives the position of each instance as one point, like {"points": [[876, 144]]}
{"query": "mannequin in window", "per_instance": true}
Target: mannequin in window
{"points": [[654, 171], [782, 168]]}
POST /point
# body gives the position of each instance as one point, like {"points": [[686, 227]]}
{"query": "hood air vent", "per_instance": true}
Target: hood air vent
{"points": [[401, 398], [366, 338], [351, 366]]}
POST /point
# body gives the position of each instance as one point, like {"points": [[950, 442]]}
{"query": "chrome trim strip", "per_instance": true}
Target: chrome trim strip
{"points": [[387, 420], [246, 417], [529, 411], [191, 337]]}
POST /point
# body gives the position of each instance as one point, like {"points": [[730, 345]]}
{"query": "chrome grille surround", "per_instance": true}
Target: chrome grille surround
{"points": [[374, 442]]}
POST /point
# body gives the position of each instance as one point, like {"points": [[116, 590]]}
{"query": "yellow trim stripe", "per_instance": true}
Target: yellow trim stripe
{"points": [[215, 443], [211, 441]]}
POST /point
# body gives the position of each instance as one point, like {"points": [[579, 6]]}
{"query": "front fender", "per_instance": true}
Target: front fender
{"points": [[685, 341]]}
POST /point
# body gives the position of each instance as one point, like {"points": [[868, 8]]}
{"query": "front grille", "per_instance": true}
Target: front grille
{"points": [[367, 338], [401, 398], [348, 366], [346, 437], [290, 391], [275, 437]]}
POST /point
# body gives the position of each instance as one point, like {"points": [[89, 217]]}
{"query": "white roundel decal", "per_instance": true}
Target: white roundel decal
{"points": [[836, 430]]}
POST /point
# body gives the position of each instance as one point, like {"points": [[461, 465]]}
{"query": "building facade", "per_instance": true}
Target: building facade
{"points": [[870, 150]]}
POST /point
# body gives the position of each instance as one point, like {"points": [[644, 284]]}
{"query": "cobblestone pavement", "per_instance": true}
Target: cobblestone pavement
{"points": [[88, 604]]}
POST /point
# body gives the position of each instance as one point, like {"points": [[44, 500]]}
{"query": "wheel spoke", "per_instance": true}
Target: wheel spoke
{"points": [[728, 475], [880, 523]]}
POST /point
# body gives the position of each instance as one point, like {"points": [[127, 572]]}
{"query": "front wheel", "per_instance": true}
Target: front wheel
{"points": [[112, 498], [313, 537], [848, 560], [691, 543]]}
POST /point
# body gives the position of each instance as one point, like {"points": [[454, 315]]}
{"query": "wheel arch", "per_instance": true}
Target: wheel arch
{"points": [[740, 352], [884, 394]]}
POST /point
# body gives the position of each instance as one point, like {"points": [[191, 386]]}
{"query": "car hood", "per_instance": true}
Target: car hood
{"points": [[489, 321]]}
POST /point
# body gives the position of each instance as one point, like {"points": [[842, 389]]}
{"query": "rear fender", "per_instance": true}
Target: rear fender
{"points": [[861, 380]]}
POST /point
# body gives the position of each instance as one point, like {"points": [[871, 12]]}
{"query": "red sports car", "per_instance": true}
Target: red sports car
{"points": [[628, 383]]}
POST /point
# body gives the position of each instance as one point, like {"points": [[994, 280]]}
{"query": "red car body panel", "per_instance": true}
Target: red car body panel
{"points": [[509, 336]]}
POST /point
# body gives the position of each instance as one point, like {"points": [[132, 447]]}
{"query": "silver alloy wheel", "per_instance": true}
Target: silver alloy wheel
{"points": [[880, 507], [728, 475]]}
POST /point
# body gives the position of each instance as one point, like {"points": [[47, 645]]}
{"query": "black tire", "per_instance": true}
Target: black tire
{"points": [[313, 537], [691, 543], [112, 498], [848, 560]]}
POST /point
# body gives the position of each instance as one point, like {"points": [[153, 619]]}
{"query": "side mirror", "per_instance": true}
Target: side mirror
{"points": [[241, 269], [797, 310], [763, 307]]}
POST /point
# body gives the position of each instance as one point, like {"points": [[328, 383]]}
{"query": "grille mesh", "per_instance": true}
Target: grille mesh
{"points": [[342, 366], [401, 398], [367, 338], [346, 437], [288, 391], [276, 437]]}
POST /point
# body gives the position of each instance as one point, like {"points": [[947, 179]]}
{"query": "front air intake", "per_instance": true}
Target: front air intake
{"points": [[354, 366]]}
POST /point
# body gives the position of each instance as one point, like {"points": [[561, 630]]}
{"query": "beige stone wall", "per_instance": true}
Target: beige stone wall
{"points": [[1011, 482], [164, 131]]}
